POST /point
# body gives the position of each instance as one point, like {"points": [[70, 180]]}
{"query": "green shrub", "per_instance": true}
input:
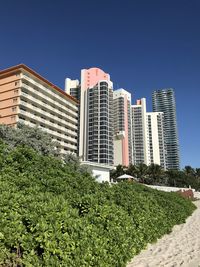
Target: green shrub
{"points": [[52, 215]]}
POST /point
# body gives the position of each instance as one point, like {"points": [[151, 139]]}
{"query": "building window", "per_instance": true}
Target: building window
{"points": [[14, 109], [14, 100], [16, 91], [13, 118]]}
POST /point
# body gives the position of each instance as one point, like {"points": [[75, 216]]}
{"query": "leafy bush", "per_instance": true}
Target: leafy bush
{"points": [[29, 136], [51, 214]]}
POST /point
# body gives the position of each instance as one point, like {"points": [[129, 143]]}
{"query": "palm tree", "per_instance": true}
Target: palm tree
{"points": [[155, 172], [141, 171], [117, 172], [132, 170], [197, 172], [176, 178], [188, 170]]}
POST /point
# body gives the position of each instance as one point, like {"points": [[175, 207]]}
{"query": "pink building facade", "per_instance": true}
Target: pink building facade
{"points": [[96, 115]]}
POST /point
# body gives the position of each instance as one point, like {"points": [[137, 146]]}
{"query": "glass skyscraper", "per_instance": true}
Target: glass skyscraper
{"points": [[164, 101]]}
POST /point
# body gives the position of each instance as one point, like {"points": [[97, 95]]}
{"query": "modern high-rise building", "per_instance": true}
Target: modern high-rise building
{"points": [[139, 132], [27, 97], [155, 139], [73, 88], [122, 127], [95, 93], [164, 101], [148, 135]]}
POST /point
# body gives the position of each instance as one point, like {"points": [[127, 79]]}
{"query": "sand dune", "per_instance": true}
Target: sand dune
{"points": [[180, 248]]}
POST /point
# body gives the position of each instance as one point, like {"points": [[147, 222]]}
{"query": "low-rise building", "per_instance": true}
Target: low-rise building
{"points": [[99, 171]]}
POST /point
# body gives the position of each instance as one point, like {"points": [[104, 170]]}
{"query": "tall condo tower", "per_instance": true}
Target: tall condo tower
{"points": [[164, 101], [155, 139], [95, 93], [139, 132], [73, 88], [122, 127], [148, 135]]}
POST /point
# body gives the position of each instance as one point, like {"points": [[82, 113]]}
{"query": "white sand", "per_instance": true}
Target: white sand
{"points": [[180, 248]]}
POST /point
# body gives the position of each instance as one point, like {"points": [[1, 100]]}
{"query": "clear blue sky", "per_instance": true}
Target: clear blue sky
{"points": [[142, 44]]}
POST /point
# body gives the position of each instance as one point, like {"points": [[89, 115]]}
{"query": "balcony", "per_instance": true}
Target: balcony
{"points": [[71, 112], [50, 116], [46, 124], [54, 94]]}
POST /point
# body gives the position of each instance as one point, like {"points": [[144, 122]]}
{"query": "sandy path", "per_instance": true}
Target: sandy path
{"points": [[180, 248]]}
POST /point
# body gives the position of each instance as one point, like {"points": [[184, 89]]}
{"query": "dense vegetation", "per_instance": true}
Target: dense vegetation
{"points": [[155, 175], [30, 136], [53, 213]]}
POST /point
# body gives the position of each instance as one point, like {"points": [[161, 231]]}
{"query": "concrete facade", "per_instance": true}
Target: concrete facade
{"points": [[148, 135], [96, 116], [27, 97], [139, 132], [155, 139], [100, 171], [122, 127]]}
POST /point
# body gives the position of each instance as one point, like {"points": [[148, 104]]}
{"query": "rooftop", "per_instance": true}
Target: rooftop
{"points": [[20, 67]]}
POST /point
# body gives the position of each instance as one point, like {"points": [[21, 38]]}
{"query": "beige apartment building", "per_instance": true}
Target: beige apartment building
{"points": [[148, 135], [27, 97], [123, 143]]}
